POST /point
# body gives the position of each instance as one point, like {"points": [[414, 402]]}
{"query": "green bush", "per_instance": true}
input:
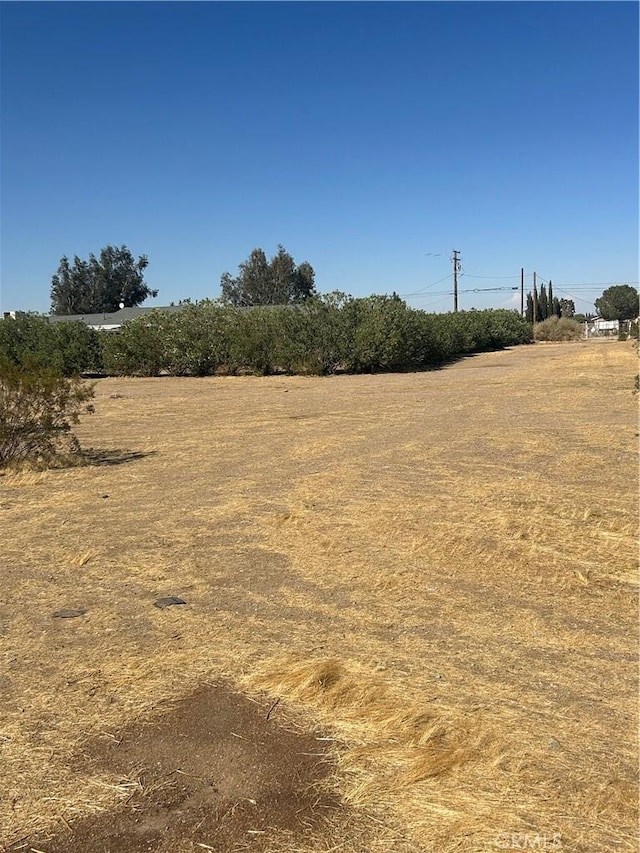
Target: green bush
{"points": [[558, 329], [253, 339], [386, 336], [79, 348], [138, 348], [37, 409], [31, 341], [196, 341], [322, 336]]}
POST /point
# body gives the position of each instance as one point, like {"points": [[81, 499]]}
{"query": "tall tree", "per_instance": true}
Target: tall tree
{"points": [[529, 310], [619, 302], [262, 282], [100, 284], [567, 308], [543, 304]]}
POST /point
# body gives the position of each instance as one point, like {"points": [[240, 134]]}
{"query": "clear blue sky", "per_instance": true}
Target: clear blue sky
{"points": [[371, 139]]}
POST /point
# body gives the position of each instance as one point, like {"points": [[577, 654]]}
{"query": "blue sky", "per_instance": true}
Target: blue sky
{"points": [[371, 139]]}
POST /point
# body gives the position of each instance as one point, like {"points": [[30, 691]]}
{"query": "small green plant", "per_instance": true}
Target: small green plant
{"points": [[37, 409]]}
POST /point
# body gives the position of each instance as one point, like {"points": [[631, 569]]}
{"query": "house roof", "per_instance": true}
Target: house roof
{"points": [[114, 319]]}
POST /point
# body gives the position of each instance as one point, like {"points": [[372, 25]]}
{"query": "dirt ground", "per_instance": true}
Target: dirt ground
{"points": [[410, 618]]}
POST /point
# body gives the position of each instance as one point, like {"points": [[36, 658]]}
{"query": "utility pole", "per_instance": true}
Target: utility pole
{"points": [[535, 300], [456, 270], [522, 292]]}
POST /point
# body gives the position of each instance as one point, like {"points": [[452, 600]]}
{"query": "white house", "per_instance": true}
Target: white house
{"points": [[603, 328]]}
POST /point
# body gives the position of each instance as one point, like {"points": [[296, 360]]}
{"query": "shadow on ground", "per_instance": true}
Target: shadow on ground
{"points": [[215, 774], [93, 456]]}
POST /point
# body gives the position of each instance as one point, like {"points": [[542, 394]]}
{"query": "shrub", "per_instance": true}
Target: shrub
{"points": [[31, 341], [79, 348], [138, 348], [558, 329], [37, 409], [324, 335], [253, 339], [197, 340]]}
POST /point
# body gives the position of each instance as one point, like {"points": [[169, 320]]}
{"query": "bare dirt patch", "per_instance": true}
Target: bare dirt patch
{"points": [[211, 774]]}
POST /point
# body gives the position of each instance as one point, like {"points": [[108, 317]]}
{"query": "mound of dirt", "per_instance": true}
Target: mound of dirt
{"points": [[212, 774]]}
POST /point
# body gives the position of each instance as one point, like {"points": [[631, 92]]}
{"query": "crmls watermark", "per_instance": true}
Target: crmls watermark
{"points": [[529, 841]]}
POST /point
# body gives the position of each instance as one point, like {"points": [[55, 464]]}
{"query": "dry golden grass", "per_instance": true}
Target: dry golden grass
{"points": [[441, 568]]}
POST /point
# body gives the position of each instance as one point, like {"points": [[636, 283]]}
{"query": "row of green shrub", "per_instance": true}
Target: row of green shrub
{"points": [[29, 341], [325, 335]]}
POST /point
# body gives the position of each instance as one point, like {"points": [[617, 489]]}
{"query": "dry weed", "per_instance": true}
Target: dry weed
{"points": [[439, 568]]}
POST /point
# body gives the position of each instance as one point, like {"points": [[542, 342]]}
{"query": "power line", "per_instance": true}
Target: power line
{"points": [[582, 284], [436, 293], [610, 283], [558, 288], [470, 275], [569, 293], [422, 289], [469, 290], [487, 289], [437, 302]]}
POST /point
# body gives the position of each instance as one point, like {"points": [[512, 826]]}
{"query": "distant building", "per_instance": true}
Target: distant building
{"points": [[109, 322], [602, 328]]}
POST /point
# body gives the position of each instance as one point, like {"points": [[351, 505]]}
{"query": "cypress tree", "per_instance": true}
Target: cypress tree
{"points": [[543, 304], [529, 311]]}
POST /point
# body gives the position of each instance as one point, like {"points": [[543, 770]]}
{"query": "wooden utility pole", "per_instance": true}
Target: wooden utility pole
{"points": [[456, 269], [522, 292], [535, 300]]}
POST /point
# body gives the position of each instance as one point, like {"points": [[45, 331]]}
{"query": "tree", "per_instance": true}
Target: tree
{"points": [[536, 304], [543, 304], [262, 282], [529, 309], [567, 308], [619, 302], [100, 284]]}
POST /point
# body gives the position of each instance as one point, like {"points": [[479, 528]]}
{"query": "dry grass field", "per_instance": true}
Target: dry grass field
{"points": [[426, 582]]}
